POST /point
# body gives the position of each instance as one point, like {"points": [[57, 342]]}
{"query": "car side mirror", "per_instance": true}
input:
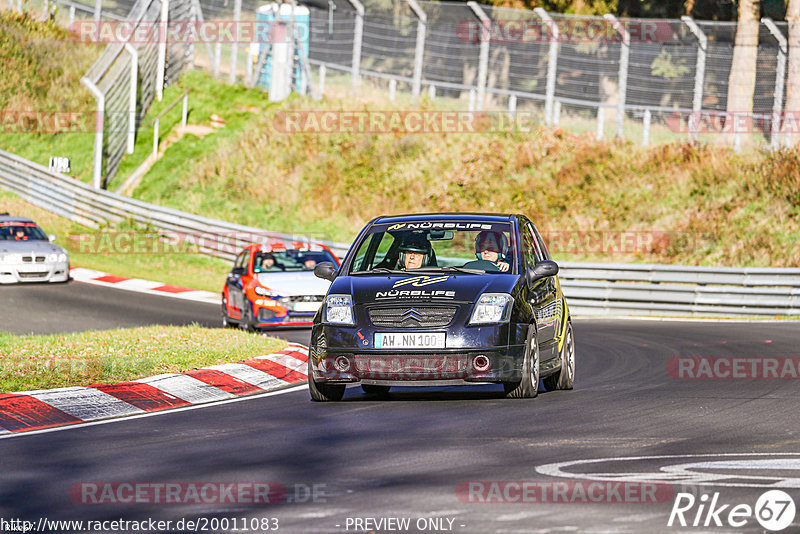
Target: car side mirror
{"points": [[51, 237], [542, 269], [238, 270], [325, 270]]}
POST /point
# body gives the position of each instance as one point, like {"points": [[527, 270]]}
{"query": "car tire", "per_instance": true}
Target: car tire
{"points": [[375, 389], [528, 387], [247, 318], [565, 377], [226, 321], [322, 392]]}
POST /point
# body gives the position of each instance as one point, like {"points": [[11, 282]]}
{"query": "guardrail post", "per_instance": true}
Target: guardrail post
{"points": [[98, 9], [432, 92], [624, 56], [322, 72], [392, 90], [71, 19], [512, 105], [556, 112], [646, 128], [699, 71], [132, 96], [471, 100], [162, 49], [358, 37], [237, 17], [780, 74], [97, 173], [552, 64], [419, 49], [483, 56]]}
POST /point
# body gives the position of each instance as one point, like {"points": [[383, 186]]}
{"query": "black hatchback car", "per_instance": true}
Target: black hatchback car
{"points": [[442, 299]]}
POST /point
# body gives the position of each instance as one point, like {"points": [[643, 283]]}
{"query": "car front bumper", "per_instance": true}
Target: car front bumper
{"points": [[13, 273]]}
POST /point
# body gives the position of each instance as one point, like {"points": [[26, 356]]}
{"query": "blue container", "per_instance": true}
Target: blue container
{"points": [[270, 13]]}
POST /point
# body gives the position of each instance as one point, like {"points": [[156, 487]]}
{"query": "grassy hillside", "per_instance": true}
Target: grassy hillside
{"points": [[42, 65], [705, 204]]}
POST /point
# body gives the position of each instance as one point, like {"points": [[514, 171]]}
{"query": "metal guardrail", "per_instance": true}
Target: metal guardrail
{"points": [[92, 207], [591, 288]]}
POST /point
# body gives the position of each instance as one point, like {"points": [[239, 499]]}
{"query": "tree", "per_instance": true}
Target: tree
{"points": [[793, 87], [742, 79]]}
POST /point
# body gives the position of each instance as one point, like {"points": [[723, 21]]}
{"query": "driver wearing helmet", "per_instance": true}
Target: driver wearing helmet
{"points": [[492, 246], [415, 252]]}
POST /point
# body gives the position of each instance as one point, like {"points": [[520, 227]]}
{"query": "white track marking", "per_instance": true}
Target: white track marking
{"points": [[84, 403], [186, 388], [248, 374]]}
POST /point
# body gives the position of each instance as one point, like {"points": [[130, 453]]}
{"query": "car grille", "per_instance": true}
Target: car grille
{"points": [[32, 275], [31, 259], [303, 298], [412, 316]]}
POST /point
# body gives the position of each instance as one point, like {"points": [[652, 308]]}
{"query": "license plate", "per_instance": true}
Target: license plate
{"points": [[405, 340], [306, 306]]}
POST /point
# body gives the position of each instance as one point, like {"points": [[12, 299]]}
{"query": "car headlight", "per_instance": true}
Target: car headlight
{"points": [[265, 292], [10, 258], [52, 258], [63, 257], [492, 308], [339, 309]]}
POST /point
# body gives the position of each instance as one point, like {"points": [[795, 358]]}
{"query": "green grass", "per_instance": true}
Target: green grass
{"points": [[188, 269], [38, 362]]}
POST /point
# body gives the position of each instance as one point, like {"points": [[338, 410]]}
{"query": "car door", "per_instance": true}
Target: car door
{"points": [[235, 283], [542, 296]]}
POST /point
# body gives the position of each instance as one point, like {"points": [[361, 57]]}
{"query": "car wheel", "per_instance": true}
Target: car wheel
{"points": [[375, 389], [528, 387], [565, 377], [226, 321], [247, 319], [322, 392]]}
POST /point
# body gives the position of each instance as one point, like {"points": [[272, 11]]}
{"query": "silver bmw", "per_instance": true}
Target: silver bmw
{"points": [[27, 254]]}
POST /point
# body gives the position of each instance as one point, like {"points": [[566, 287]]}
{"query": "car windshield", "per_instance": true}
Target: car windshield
{"points": [[21, 231], [464, 246], [290, 260]]}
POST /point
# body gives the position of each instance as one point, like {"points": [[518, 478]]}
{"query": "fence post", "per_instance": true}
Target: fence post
{"points": [[552, 64], [132, 96], [155, 139], [483, 56], [358, 37], [237, 17], [71, 20], [780, 73], [392, 90], [512, 105], [98, 9], [624, 55], [601, 121], [699, 71], [97, 173], [322, 71], [471, 101], [432, 92], [646, 128], [162, 49], [419, 50], [556, 112]]}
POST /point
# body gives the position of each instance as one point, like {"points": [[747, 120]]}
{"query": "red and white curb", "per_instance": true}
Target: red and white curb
{"points": [[35, 410], [90, 276]]}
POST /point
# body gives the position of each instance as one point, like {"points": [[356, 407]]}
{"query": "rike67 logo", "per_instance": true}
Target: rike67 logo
{"points": [[774, 510]]}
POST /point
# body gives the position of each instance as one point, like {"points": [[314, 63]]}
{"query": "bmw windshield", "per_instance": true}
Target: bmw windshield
{"points": [[463, 246], [21, 231]]}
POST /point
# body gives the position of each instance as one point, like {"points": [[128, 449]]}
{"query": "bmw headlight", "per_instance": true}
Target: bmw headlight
{"points": [[492, 308], [52, 258], [63, 258], [339, 309], [10, 258], [265, 292]]}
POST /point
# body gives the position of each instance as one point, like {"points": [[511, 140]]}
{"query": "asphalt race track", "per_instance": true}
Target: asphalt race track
{"points": [[428, 456]]}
